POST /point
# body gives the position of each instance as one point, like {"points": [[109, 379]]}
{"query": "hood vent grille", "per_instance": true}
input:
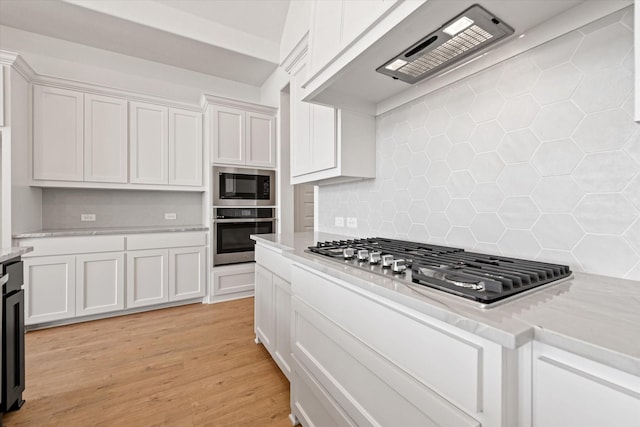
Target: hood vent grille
{"points": [[460, 38]]}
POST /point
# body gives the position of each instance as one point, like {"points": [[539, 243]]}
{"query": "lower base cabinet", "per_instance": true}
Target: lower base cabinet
{"points": [[569, 390], [273, 309], [87, 281]]}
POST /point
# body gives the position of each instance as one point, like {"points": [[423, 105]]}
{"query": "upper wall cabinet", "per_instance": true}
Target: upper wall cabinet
{"points": [[89, 140], [105, 139], [328, 145], [337, 24], [58, 152], [241, 133]]}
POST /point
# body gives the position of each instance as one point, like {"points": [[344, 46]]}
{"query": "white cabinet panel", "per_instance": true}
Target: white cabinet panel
{"points": [[228, 135], [148, 143], [185, 147], [260, 147], [300, 123], [282, 317], [187, 273], [326, 30], [105, 139], [264, 318], [99, 283], [147, 277], [570, 391], [49, 284], [323, 138], [57, 134], [232, 279]]}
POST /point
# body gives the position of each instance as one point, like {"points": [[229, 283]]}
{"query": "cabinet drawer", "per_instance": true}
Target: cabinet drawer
{"points": [[72, 245], [274, 261], [370, 388], [448, 363], [165, 240]]}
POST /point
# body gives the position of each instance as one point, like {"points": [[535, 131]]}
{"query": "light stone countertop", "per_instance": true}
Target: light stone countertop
{"points": [[593, 316], [9, 253], [108, 231]]}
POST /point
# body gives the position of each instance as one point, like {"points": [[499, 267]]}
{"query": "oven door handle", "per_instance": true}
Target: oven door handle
{"points": [[244, 220]]}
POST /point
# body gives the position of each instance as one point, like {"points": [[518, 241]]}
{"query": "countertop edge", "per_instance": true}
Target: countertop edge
{"points": [[10, 253], [107, 231]]}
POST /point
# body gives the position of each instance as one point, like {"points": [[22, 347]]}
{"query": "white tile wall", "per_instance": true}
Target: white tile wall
{"points": [[536, 157]]}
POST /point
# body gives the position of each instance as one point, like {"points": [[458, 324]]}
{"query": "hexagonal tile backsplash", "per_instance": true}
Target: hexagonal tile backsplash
{"points": [[536, 157]]}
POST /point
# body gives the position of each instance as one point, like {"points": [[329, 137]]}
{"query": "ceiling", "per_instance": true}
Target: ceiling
{"points": [[233, 39]]}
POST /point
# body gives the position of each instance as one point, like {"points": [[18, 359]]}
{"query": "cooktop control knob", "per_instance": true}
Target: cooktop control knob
{"points": [[374, 258], [363, 255], [398, 266], [348, 253], [387, 260]]}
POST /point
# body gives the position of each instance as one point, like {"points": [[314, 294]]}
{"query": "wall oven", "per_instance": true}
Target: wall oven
{"points": [[243, 187], [232, 228]]}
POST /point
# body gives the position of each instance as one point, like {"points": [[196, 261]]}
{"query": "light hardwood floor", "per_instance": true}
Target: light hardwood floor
{"points": [[194, 365]]}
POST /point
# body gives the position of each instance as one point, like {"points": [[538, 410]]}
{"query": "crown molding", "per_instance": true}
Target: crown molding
{"points": [[208, 100], [15, 61], [296, 54]]}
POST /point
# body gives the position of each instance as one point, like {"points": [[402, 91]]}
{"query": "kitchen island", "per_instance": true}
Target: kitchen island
{"points": [[366, 347]]}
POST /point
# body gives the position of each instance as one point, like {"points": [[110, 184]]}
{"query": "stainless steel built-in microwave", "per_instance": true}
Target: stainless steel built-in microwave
{"points": [[243, 187]]}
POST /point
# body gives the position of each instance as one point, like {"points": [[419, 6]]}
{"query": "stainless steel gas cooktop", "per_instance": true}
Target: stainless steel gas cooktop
{"points": [[479, 277]]}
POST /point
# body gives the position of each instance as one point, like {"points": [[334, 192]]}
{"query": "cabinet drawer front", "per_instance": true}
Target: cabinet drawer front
{"points": [[72, 245], [369, 387], [449, 364], [166, 240], [273, 261]]}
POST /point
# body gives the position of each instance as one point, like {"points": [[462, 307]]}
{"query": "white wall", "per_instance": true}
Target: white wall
{"points": [[60, 58], [536, 157]]}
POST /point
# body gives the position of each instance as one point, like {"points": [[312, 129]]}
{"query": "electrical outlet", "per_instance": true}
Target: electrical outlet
{"points": [[339, 221], [87, 217], [352, 222], [170, 215]]}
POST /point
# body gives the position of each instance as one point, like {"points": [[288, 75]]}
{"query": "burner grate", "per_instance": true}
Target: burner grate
{"points": [[480, 277]]}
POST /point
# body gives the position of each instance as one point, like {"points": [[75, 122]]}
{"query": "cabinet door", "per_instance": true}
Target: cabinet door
{"points": [[147, 273], [186, 273], [228, 131], [185, 147], [99, 283], [149, 143], [323, 138], [260, 147], [49, 284], [105, 139], [300, 124], [57, 134], [264, 320], [281, 311]]}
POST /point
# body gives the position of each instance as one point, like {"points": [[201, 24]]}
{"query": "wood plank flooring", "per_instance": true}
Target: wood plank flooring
{"points": [[195, 365]]}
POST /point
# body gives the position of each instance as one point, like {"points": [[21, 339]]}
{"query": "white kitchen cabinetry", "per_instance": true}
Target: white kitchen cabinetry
{"points": [[75, 277], [273, 306], [49, 284], [58, 152], [147, 277], [337, 24], [185, 147], [99, 283], [241, 133], [571, 391], [149, 144], [186, 273], [350, 360], [328, 145], [105, 139]]}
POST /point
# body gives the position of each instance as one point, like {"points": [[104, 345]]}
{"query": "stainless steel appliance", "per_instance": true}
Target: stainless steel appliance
{"points": [[243, 187], [232, 228], [486, 279]]}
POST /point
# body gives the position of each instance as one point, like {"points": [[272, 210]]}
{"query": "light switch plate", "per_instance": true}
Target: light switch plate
{"points": [[352, 222], [339, 221], [87, 217], [170, 215]]}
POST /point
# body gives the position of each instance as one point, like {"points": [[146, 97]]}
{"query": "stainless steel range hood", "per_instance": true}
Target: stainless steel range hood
{"points": [[462, 37]]}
